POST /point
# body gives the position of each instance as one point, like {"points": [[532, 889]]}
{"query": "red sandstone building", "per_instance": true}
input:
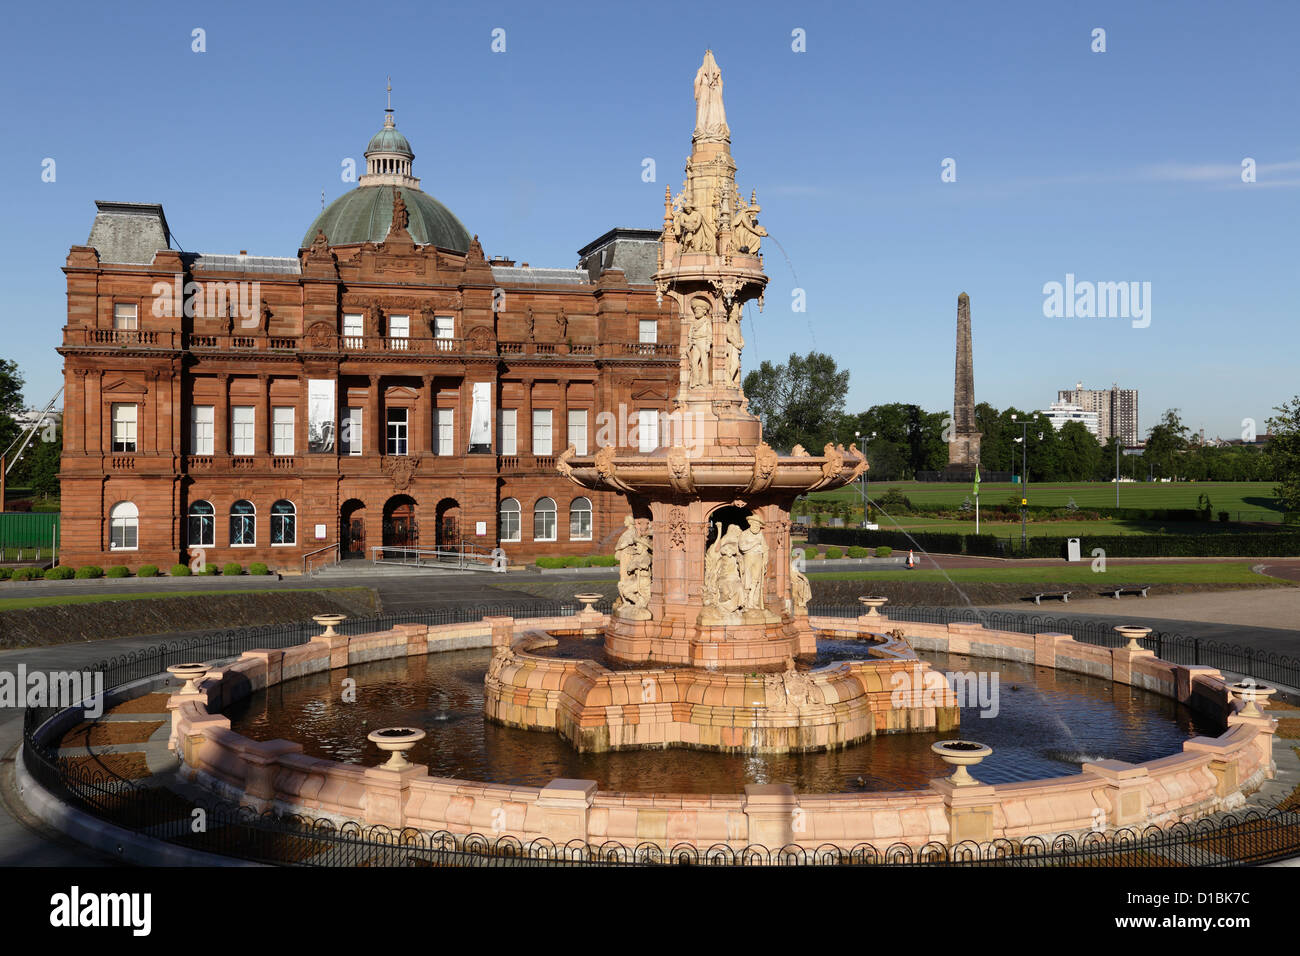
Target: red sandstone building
{"points": [[388, 386]]}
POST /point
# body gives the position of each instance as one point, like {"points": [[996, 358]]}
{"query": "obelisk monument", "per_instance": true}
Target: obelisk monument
{"points": [[963, 439]]}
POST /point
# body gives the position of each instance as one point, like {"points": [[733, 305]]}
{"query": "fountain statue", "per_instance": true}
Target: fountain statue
{"points": [[698, 589]]}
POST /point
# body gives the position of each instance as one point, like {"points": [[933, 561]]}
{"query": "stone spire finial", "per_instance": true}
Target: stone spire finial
{"points": [[710, 116]]}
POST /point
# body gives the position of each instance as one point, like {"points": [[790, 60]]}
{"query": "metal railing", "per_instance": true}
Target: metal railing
{"points": [[311, 563], [462, 558]]}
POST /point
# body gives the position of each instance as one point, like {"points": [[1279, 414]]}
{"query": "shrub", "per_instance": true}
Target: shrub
{"points": [[233, 568], [180, 571], [604, 561], [257, 567], [147, 571], [90, 571], [210, 569], [1223, 516], [884, 551], [858, 552], [61, 573], [809, 553], [575, 561], [550, 562], [26, 574], [5, 573], [118, 571], [833, 552]]}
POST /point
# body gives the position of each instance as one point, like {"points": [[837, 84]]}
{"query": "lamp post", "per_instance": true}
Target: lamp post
{"points": [[1024, 480], [866, 498]]}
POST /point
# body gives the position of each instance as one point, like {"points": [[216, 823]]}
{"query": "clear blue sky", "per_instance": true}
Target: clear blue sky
{"points": [[1115, 166]]}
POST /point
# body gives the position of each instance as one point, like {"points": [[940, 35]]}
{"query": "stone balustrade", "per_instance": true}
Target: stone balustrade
{"points": [[1211, 774]]}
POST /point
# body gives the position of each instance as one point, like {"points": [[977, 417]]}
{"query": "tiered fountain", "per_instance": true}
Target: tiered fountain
{"points": [[708, 586]]}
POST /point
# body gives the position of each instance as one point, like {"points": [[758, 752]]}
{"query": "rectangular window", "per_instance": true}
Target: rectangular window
{"points": [[542, 431], [578, 430], [397, 422], [399, 331], [202, 419], [647, 429], [444, 330], [446, 431], [282, 430], [126, 316], [649, 331], [350, 437], [242, 418], [509, 423], [123, 427], [354, 335]]}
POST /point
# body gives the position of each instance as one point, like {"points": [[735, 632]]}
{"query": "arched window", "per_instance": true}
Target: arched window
{"points": [[284, 523], [243, 524], [544, 520], [123, 527], [508, 520], [580, 519], [202, 525]]}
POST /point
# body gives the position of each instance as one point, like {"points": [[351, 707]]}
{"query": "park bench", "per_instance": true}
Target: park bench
{"points": [[1063, 595], [1141, 589]]}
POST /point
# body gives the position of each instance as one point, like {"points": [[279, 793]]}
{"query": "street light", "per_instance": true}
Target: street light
{"points": [[866, 500], [1024, 479]]}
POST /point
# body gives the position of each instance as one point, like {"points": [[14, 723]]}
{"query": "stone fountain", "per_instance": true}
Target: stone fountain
{"points": [[710, 596]]}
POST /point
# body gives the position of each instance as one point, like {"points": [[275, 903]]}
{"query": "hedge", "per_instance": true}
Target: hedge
{"points": [[1269, 544], [147, 571], [257, 567], [27, 574], [90, 571], [833, 552], [61, 573], [858, 552], [118, 571], [233, 568], [180, 571]]}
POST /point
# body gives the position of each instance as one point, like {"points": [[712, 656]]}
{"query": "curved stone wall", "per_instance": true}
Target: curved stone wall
{"points": [[1211, 774]]}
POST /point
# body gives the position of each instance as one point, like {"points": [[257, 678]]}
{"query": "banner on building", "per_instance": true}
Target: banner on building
{"points": [[320, 414], [480, 419]]}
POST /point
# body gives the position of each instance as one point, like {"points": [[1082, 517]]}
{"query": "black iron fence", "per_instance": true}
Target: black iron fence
{"points": [[228, 829]]}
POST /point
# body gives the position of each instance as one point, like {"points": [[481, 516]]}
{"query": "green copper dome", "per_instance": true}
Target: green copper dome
{"points": [[389, 140], [365, 213]]}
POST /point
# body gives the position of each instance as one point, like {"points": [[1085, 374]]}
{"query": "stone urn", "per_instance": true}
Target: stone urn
{"points": [[588, 598], [873, 604], [1134, 633], [961, 754], [191, 674], [328, 621], [396, 740], [1251, 694]]}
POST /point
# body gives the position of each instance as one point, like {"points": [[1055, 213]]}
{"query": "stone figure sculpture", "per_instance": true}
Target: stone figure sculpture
{"points": [[700, 343], [752, 544], [735, 343], [693, 228], [710, 116], [800, 589], [633, 551], [746, 233]]}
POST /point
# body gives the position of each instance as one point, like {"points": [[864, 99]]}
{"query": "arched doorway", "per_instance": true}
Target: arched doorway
{"points": [[725, 517], [448, 528], [400, 530], [352, 529]]}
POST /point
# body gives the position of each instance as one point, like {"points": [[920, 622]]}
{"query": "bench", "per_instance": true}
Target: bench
{"points": [[1141, 589], [1063, 595]]}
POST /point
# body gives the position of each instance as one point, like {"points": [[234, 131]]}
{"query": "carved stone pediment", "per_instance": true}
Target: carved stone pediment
{"points": [[400, 468]]}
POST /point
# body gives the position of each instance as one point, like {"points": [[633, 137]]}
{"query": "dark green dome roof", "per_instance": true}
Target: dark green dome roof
{"points": [[365, 214], [389, 140]]}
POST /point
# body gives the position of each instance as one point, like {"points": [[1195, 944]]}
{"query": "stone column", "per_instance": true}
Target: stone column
{"points": [[969, 810], [564, 806], [524, 427], [774, 815], [221, 417], [376, 444], [262, 429], [1125, 790], [387, 792], [428, 444]]}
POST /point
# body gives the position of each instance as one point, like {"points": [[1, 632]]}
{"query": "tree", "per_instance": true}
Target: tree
{"points": [[800, 402], [1165, 441], [1284, 450], [11, 401]]}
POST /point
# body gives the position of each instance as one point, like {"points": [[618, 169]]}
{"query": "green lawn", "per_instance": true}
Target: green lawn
{"points": [[18, 604], [1253, 499], [1227, 572], [1067, 529]]}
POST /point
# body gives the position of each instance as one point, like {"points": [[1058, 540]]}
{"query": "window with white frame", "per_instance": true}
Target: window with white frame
{"points": [[123, 417], [282, 430], [508, 423], [284, 519], [202, 530], [508, 520], [350, 436], [542, 431], [202, 418], [354, 330], [580, 519], [446, 431], [398, 420], [544, 520], [399, 331], [242, 418], [444, 330], [243, 524], [647, 429], [126, 316], [649, 330], [578, 429], [123, 527]]}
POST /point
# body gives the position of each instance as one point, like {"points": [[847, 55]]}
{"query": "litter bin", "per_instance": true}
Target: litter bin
{"points": [[1072, 550]]}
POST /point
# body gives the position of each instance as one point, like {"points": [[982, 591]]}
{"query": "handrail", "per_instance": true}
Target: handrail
{"points": [[329, 547], [466, 558]]}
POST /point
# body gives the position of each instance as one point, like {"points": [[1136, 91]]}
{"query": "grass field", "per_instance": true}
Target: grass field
{"points": [[1060, 528], [1244, 500], [18, 604], [1227, 572]]}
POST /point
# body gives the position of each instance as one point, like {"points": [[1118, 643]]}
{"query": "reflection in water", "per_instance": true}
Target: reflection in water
{"points": [[1048, 723]]}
